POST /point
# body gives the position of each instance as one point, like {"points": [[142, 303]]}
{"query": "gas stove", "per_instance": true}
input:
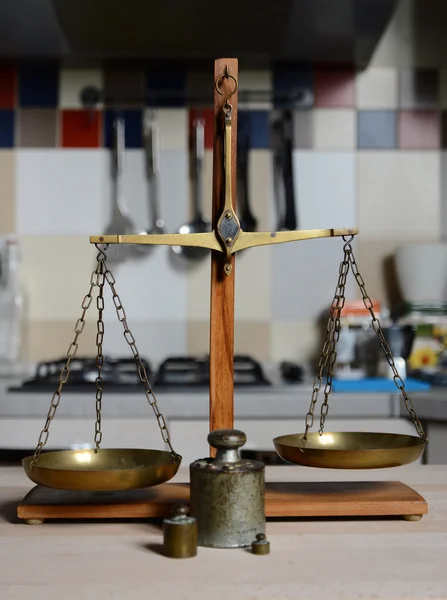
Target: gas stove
{"points": [[175, 373]]}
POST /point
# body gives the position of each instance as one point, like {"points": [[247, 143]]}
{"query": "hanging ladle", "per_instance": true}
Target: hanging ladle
{"points": [[121, 222], [198, 223], [151, 139]]}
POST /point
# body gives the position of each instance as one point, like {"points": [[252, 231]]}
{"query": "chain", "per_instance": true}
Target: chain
{"points": [[385, 347], [98, 277], [141, 368], [65, 372], [328, 354], [99, 356]]}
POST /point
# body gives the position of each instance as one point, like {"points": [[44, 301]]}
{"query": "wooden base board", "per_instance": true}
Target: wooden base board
{"points": [[297, 499]]}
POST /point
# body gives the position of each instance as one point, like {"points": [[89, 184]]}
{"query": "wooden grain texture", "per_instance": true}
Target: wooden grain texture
{"points": [[310, 559], [221, 412], [283, 499]]}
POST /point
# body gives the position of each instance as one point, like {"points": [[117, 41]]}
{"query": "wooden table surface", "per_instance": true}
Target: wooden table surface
{"points": [[310, 559]]}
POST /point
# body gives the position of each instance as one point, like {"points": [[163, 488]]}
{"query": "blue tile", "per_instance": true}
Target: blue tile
{"points": [[170, 77], [377, 129], [132, 119], [244, 122], [7, 119], [289, 76], [38, 85], [260, 129]]}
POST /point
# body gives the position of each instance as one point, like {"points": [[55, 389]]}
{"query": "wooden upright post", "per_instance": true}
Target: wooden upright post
{"points": [[222, 286]]}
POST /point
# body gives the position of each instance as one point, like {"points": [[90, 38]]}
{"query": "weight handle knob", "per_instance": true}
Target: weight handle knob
{"points": [[227, 442]]}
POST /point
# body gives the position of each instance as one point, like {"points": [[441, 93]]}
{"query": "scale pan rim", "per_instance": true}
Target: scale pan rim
{"points": [[374, 450], [141, 468]]}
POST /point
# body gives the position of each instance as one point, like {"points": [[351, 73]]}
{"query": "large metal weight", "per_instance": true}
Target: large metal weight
{"points": [[227, 494]]}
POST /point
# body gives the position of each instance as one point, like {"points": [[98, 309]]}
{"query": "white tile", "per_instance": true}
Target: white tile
{"points": [[399, 194], [304, 278], [325, 189], [334, 129], [155, 340], [252, 284], [255, 80], [173, 124], [294, 340], [60, 192], [199, 277], [153, 286], [55, 272], [377, 88], [260, 182], [149, 288], [173, 192], [72, 81]]}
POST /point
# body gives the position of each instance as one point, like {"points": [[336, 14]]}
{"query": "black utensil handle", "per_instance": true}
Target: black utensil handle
{"points": [[242, 176], [247, 219], [290, 220]]}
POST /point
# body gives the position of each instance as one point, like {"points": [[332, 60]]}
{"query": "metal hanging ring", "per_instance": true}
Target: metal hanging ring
{"points": [[347, 241], [227, 75], [102, 252]]}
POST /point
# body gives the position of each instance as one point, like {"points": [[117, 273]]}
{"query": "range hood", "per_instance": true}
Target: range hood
{"points": [[255, 31]]}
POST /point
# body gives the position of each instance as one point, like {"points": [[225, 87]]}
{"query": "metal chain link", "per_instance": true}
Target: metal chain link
{"points": [[328, 354], [65, 371], [141, 368], [99, 356], [385, 347]]}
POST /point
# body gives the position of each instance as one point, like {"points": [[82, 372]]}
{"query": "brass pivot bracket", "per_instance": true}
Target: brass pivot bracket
{"points": [[228, 225]]}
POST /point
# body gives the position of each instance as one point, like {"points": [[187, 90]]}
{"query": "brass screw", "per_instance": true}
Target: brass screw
{"points": [[229, 241], [101, 239], [228, 215]]}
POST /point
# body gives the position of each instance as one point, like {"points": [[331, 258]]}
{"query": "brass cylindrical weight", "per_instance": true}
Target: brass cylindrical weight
{"points": [[180, 534], [261, 545], [227, 494]]}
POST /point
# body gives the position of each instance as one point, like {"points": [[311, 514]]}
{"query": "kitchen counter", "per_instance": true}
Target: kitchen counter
{"points": [[310, 559], [262, 412]]}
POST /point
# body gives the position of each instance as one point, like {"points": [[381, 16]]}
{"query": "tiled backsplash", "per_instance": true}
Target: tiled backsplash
{"points": [[368, 153]]}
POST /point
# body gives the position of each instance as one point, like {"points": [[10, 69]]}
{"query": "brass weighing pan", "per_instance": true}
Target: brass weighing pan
{"points": [[105, 470], [350, 450]]}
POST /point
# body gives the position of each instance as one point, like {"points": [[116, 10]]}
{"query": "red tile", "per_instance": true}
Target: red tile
{"points": [[334, 89], [419, 129], [208, 115], [7, 87], [80, 128]]}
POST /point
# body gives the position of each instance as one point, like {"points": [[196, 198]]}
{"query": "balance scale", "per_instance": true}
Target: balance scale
{"points": [[132, 483]]}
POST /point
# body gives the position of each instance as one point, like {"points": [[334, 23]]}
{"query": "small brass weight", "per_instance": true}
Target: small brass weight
{"points": [[180, 534]]}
